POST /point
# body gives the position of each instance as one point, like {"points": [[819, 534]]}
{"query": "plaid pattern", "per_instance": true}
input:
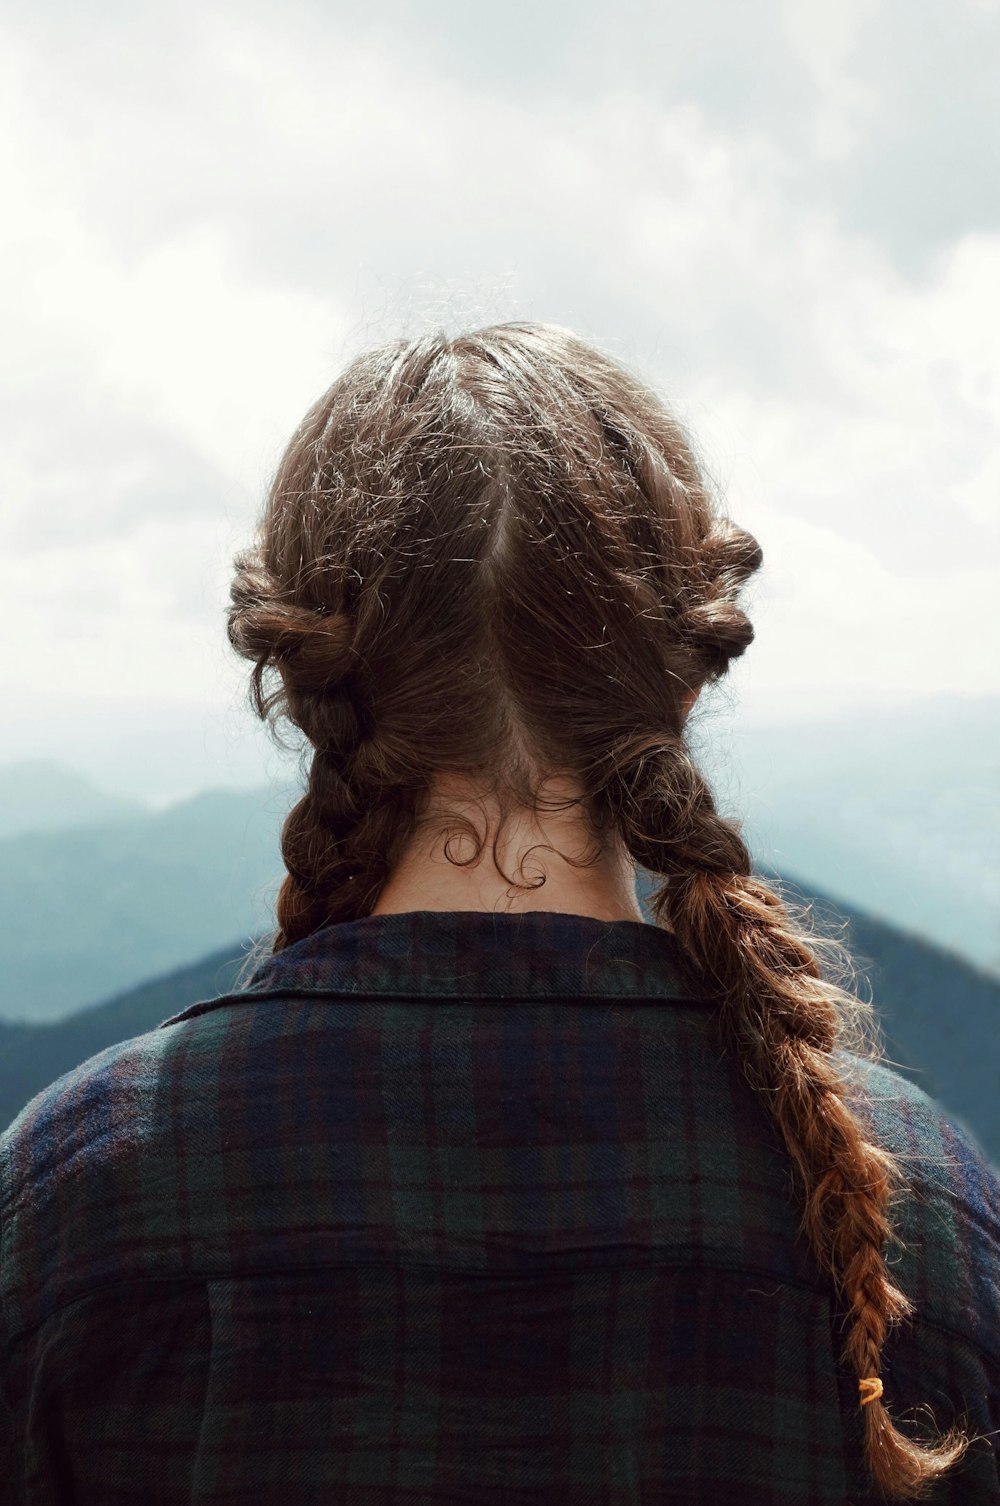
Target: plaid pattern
{"points": [[455, 1207]]}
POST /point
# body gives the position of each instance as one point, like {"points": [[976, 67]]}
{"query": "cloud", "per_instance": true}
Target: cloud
{"points": [[132, 615], [834, 624], [925, 171], [213, 212], [895, 441]]}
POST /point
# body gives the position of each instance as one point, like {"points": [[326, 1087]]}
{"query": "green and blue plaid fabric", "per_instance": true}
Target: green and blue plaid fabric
{"points": [[462, 1207]]}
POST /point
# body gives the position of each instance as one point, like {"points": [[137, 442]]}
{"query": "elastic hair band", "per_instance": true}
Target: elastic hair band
{"points": [[873, 1387]]}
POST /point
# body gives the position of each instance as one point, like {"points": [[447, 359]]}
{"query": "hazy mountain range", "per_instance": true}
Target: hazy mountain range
{"points": [[896, 816], [95, 908], [38, 795], [99, 895]]}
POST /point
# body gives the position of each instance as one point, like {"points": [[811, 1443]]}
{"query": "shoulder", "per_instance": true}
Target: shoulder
{"points": [[235, 1057], [946, 1246], [925, 1135], [92, 1153], [107, 1103], [101, 1096]]}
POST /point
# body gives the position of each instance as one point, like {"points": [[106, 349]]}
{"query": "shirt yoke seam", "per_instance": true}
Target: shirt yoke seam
{"points": [[250, 1273]]}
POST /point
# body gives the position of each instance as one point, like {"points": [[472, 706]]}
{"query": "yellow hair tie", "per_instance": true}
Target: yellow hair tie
{"points": [[873, 1386]]}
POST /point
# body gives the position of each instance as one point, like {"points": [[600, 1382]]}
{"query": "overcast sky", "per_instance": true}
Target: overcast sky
{"points": [[787, 215]]}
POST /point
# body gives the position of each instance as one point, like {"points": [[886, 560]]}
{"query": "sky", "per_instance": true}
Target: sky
{"points": [[784, 214]]}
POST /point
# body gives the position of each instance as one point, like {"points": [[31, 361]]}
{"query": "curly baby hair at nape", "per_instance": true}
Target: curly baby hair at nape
{"points": [[497, 556]]}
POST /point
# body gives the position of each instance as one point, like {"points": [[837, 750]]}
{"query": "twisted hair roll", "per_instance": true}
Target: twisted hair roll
{"points": [[498, 556]]}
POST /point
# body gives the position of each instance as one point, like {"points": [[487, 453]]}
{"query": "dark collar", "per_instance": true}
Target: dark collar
{"points": [[474, 954]]}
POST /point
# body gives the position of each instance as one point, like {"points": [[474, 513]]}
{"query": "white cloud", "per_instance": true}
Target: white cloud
{"points": [[896, 442], [825, 37], [832, 620], [128, 616], [209, 216]]}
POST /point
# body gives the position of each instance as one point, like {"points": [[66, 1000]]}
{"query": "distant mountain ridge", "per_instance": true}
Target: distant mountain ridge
{"points": [[42, 795], [940, 1019], [91, 911], [896, 815]]}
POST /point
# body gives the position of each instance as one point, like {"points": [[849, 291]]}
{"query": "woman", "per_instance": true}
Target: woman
{"points": [[484, 1188]]}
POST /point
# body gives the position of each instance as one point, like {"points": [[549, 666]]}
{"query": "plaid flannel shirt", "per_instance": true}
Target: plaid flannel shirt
{"points": [[462, 1207]]}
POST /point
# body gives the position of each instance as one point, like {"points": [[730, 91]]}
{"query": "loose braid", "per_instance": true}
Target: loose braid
{"points": [[337, 840], [779, 1017], [776, 1011], [498, 556]]}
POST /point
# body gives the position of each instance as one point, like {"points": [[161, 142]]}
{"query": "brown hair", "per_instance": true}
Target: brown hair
{"points": [[497, 556]]}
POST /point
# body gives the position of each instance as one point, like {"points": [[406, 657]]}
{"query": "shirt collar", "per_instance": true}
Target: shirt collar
{"points": [[474, 954]]}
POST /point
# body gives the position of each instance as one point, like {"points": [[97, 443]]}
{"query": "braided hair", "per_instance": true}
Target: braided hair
{"points": [[498, 556]]}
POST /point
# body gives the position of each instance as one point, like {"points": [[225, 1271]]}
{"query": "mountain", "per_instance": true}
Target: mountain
{"points": [[940, 1019], [895, 812], [91, 911], [42, 795], [32, 1056]]}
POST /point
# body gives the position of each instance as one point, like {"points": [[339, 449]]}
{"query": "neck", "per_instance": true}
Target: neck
{"points": [[541, 852]]}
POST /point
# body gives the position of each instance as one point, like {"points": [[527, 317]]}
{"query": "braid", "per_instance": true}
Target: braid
{"points": [[783, 1022], [322, 840], [338, 839]]}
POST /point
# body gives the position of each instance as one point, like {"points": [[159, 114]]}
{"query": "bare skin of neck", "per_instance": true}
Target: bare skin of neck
{"points": [[531, 847]]}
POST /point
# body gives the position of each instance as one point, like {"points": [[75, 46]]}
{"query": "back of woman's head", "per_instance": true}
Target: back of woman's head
{"points": [[497, 557]]}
